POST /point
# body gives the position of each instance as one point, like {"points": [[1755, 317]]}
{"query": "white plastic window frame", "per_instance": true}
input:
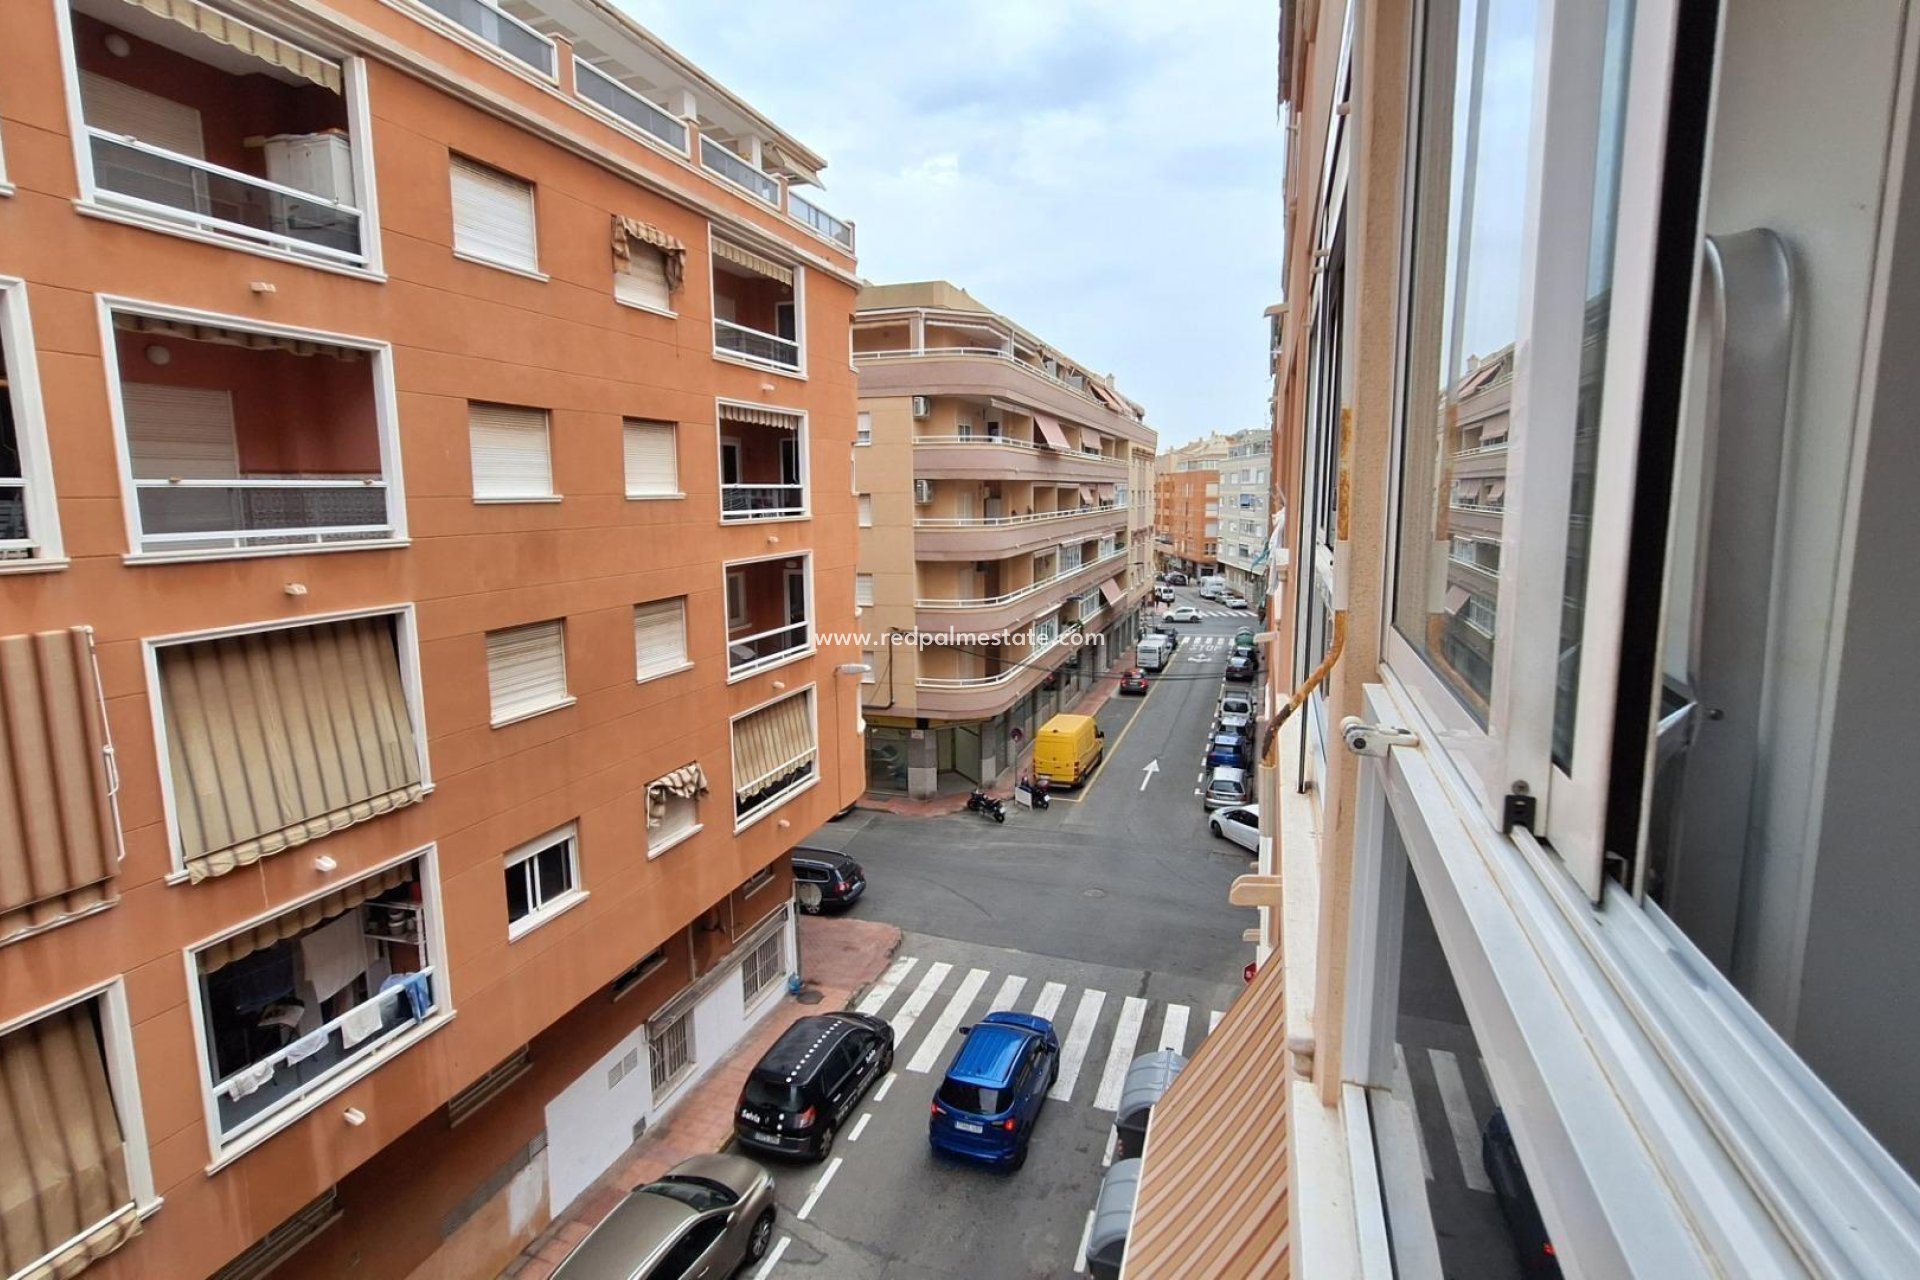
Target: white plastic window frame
{"points": [[548, 908], [22, 369]]}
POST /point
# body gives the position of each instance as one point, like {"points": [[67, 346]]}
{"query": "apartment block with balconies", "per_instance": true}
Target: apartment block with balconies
{"points": [[1002, 547], [426, 557]]}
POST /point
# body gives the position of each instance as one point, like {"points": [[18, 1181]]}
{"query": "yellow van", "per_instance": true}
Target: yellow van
{"points": [[1066, 750]]}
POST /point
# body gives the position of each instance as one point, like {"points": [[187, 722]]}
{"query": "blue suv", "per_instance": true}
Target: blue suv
{"points": [[987, 1105]]}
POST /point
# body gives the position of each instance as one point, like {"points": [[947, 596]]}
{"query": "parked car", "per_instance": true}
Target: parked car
{"points": [[1133, 681], [1067, 749], [1153, 653], [1234, 600], [839, 879], [803, 1088], [1163, 592], [1241, 668], [1234, 703], [1502, 1160], [1169, 634], [1183, 613], [1240, 824], [1176, 579], [1226, 788], [1212, 592], [993, 1090], [1227, 749], [706, 1216]]}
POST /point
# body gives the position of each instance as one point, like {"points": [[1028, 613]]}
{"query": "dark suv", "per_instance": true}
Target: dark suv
{"points": [[799, 1094], [837, 878]]}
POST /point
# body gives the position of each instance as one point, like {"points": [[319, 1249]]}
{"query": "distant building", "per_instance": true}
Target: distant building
{"points": [[1246, 482]]}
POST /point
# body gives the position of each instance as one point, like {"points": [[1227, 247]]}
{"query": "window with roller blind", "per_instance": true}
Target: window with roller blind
{"points": [[493, 217], [641, 280], [652, 459], [863, 590], [527, 670], [511, 460], [660, 638]]}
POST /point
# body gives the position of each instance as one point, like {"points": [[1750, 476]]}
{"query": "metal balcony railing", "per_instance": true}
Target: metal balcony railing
{"points": [[603, 91], [753, 344], [763, 649], [762, 501], [716, 159], [500, 29], [1013, 596], [199, 515], [1002, 522], [1012, 673]]}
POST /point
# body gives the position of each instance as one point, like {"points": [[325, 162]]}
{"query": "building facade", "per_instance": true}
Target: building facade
{"points": [[1577, 778], [1002, 543], [1187, 506], [423, 476], [1246, 495]]}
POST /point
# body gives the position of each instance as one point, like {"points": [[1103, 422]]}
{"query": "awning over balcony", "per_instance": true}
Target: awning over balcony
{"points": [[672, 252], [1087, 494], [1050, 431], [235, 34], [770, 743], [687, 782], [754, 416], [1213, 1185], [751, 261], [1104, 492], [1456, 599], [293, 923], [1113, 592], [133, 322]]}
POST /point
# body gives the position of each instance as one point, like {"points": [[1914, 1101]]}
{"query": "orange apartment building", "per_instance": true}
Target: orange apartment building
{"points": [[1187, 506], [423, 478]]}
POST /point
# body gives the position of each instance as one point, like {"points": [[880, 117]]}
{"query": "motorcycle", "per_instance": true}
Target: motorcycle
{"points": [[986, 806], [1037, 790]]}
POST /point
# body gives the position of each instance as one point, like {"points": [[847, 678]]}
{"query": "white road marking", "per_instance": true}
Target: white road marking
{"points": [[1173, 1029], [1049, 1002], [813, 1196], [1466, 1130], [1009, 993], [935, 1044], [1073, 1053], [880, 1094], [1403, 1087], [1113, 1138], [1133, 1015], [859, 1126], [1213, 1020], [889, 983], [773, 1256], [917, 1002], [1086, 1235], [1146, 774]]}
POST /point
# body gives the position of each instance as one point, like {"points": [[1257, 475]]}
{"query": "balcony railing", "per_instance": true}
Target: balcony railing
{"points": [[762, 501], [129, 172], [1484, 508], [753, 344], [1468, 562], [1010, 442], [764, 649], [1012, 597], [715, 158], [997, 353], [500, 29], [199, 514], [1012, 673], [812, 215], [1002, 522], [616, 99], [1499, 446]]}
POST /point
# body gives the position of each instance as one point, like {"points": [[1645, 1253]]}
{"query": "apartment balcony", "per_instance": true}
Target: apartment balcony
{"points": [[776, 755], [986, 373], [755, 308], [1476, 517], [254, 146], [769, 614], [593, 85], [995, 537], [763, 464], [980, 697], [1010, 610], [500, 29], [717, 159], [819, 221], [973, 457]]}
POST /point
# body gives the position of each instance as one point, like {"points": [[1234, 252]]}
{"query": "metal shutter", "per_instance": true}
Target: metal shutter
{"points": [[660, 637], [493, 216], [644, 281], [510, 458], [526, 669], [652, 457], [181, 433], [128, 112]]}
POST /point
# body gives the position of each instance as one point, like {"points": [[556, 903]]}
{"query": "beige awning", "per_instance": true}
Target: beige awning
{"points": [[59, 841], [1214, 1180], [674, 254], [1456, 599], [770, 743], [133, 322], [784, 161], [280, 737], [1104, 395], [753, 262], [1087, 495], [235, 34], [1050, 431], [688, 781], [1113, 592], [302, 918], [757, 417], [1104, 491], [1496, 428], [1089, 438]]}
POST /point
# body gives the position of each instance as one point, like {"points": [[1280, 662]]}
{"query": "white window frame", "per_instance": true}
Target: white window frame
{"points": [[552, 494], [783, 254], [672, 430], [22, 371], [547, 909], [744, 820], [733, 570], [658, 844], [738, 616], [532, 272], [665, 1084], [386, 416], [567, 699], [802, 443], [864, 504], [752, 993], [863, 585], [381, 1051], [642, 676], [353, 90], [863, 428], [870, 659], [407, 639]]}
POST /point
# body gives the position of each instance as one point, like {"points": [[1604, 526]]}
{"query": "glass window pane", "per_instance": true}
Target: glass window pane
{"points": [[519, 891], [556, 871]]}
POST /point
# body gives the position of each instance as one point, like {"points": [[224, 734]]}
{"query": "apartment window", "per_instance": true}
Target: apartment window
{"points": [[72, 1165], [527, 670], [763, 463], [863, 590], [660, 638], [274, 738], [511, 457], [648, 265], [765, 965], [652, 458], [775, 750], [493, 217], [673, 807], [29, 517], [869, 658], [863, 428], [866, 510], [285, 1240], [669, 1051], [756, 308], [635, 974], [738, 616], [290, 1006], [543, 879]]}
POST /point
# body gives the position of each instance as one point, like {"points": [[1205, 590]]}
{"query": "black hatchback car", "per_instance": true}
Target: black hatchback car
{"points": [[838, 879], [1241, 668], [800, 1093]]}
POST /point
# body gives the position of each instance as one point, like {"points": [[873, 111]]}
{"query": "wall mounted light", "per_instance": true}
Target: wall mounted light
{"points": [[118, 45], [157, 354]]}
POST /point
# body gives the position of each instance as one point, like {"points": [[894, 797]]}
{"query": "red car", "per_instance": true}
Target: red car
{"points": [[1133, 681]]}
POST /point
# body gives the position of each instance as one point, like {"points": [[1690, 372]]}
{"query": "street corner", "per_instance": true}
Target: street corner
{"points": [[840, 956]]}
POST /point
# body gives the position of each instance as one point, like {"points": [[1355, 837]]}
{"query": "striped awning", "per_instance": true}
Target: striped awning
{"points": [[1050, 431], [293, 923], [751, 261], [688, 781], [1113, 592], [1215, 1175], [133, 322], [627, 230], [770, 743], [755, 416], [205, 20]]}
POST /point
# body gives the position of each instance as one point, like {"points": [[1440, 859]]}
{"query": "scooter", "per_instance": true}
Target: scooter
{"points": [[986, 806], [1037, 790]]}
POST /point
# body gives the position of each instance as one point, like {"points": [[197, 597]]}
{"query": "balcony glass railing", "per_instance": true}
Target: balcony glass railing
{"points": [[1001, 522], [1024, 665], [820, 220], [762, 501], [753, 344], [715, 158], [1011, 597], [129, 172], [198, 515], [763, 649], [615, 98], [501, 30]]}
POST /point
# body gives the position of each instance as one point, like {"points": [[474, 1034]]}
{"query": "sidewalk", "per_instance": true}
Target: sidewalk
{"points": [[838, 957]]}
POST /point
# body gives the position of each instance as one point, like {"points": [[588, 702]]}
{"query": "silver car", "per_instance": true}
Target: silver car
{"points": [[702, 1220]]}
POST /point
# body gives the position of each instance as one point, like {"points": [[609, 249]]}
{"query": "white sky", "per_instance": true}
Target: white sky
{"points": [[1105, 172]]}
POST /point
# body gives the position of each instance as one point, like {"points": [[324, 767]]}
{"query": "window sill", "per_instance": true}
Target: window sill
{"points": [[656, 497], [166, 226], [537, 711], [507, 501], [47, 564], [778, 802], [764, 366], [675, 841], [547, 914], [261, 553], [641, 306], [749, 522], [648, 677], [529, 273]]}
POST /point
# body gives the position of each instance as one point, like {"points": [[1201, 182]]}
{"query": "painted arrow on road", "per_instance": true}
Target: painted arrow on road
{"points": [[1153, 767]]}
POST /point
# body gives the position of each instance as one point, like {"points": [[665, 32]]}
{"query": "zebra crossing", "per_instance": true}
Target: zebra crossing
{"points": [[1443, 1076], [1204, 648], [1100, 1034]]}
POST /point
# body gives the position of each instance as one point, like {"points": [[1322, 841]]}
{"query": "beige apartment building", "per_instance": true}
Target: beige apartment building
{"points": [[1004, 534], [1246, 499], [1187, 505]]}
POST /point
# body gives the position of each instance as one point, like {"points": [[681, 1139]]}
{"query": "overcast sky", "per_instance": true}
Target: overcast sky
{"points": [[1105, 172]]}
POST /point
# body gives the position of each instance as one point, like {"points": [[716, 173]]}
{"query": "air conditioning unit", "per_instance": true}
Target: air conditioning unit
{"points": [[922, 493], [920, 407]]}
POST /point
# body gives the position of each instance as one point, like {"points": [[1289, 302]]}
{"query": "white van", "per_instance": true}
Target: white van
{"points": [[1153, 653]]}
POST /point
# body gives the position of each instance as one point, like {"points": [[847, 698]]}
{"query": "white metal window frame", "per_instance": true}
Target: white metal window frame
{"points": [[735, 582], [353, 76], [566, 698], [546, 909], [665, 837], [758, 974], [863, 589], [407, 638], [744, 820], [641, 674], [672, 433], [783, 254], [380, 1051], [665, 1082], [801, 434], [386, 416], [735, 570], [864, 505], [530, 268], [863, 427], [22, 370]]}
